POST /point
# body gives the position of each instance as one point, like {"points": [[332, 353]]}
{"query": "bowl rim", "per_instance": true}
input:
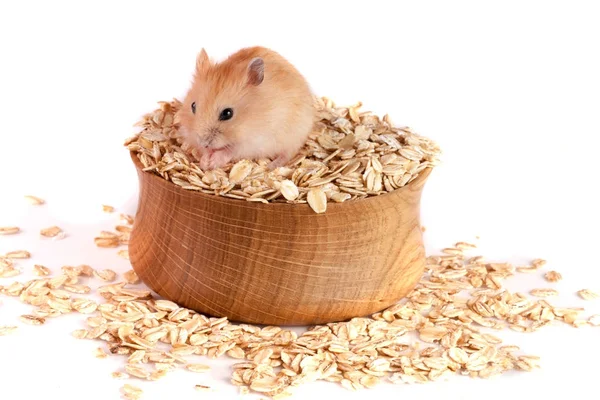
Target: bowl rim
{"points": [[331, 206]]}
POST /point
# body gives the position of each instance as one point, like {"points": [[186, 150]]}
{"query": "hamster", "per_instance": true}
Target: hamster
{"points": [[254, 104]]}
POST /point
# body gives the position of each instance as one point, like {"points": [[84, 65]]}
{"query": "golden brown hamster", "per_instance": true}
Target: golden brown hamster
{"points": [[254, 104]]}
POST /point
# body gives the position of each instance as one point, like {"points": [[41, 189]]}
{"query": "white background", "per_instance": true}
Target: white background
{"points": [[510, 90]]}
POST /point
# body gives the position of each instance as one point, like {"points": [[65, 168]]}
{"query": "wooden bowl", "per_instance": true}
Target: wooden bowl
{"points": [[277, 264]]}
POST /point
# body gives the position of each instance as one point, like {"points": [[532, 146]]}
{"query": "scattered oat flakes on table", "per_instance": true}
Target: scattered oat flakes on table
{"points": [[157, 335], [79, 333], [197, 367], [544, 292], [126, 219], [52, 232], [32, 319], [588, 294], [100, 353], [131, 277], [9, 272], [6, 330], [36, 201], [9, 230], [107, 275], [131, 392], [5, 262], [41, 270], [107, 240], [553, 276], [18, 254]]}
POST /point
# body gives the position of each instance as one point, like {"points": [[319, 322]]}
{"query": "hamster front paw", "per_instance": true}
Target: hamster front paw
{"points": [[215, 159], [279, 161]]}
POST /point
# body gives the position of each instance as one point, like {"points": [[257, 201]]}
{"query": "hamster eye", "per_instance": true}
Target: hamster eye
{"points": [[194, 107], [226, 114]]}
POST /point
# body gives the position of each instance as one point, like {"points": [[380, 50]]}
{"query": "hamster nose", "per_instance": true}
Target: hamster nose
{"points": [[208, 140]]}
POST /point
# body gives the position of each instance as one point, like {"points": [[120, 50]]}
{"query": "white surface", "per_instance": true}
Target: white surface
{"points": [[510, 91]]}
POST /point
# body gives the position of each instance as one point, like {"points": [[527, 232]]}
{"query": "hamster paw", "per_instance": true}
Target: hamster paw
{"points": [[279, 161], [204, 161], [215, 159]]}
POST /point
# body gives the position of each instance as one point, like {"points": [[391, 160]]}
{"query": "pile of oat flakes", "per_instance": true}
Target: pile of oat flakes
{"points": [[442, 328], [350, 155]]}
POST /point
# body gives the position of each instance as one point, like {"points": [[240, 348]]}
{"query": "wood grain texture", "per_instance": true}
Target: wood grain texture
{"points": [[277, 264]]}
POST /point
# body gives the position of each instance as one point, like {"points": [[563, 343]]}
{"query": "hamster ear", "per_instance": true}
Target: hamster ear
{"points": [[256, 71], [202, 61]]}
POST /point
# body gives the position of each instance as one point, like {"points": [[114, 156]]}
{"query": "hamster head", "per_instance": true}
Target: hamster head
{"points": [[221, 102]]}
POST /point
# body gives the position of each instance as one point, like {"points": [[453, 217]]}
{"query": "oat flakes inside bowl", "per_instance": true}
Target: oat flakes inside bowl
{"points": [[350, 155]]}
